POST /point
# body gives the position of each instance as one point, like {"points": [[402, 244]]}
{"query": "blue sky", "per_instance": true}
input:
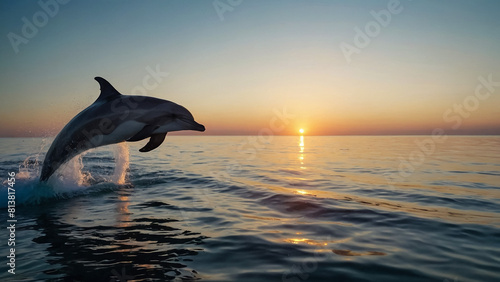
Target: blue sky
{"points": [[234, 69]]}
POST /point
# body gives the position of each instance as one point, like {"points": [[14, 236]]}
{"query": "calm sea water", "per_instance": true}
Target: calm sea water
{"points": [[246, 209]]}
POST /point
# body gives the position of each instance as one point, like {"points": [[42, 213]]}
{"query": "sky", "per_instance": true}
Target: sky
{"points": [[258, 66]]}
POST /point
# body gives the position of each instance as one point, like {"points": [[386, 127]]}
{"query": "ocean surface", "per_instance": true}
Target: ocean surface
{"points": [[250, 208]]}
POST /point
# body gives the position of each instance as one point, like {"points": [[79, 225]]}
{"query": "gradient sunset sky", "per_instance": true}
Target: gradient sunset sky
{"points": [[235, 64]]}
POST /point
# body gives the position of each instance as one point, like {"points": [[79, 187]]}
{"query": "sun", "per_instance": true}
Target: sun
{"points": [[301, 131]]}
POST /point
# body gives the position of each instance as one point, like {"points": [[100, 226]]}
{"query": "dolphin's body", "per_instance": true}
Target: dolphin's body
{"points": [[115, 118]]}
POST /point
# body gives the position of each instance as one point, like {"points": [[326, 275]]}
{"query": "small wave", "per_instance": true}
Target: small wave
{"points": [[350, 253]]}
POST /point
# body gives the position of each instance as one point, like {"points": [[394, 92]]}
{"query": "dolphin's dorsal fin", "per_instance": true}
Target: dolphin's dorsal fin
{"points": [[107, 90]]}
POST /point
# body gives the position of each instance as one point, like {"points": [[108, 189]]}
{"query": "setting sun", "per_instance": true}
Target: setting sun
{"points": [[301, 131]]}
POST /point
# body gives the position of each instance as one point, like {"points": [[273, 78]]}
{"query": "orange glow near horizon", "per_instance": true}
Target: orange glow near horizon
{"points": [[340, 116]]}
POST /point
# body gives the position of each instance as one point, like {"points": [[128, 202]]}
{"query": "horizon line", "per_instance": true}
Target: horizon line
{"points": [[316, 135]]}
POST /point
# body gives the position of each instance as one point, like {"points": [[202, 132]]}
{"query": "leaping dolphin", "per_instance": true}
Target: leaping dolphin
{"points": [[114, 118]]}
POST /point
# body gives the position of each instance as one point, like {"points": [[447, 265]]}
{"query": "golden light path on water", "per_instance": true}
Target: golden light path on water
{"points": [[302, 147], [390, 205]]}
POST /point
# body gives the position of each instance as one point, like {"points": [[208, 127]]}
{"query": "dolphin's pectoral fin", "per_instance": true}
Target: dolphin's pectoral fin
{"points": [[145, 132], [154, 142]]}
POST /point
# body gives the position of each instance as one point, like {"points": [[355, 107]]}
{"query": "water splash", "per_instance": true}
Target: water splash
{"points": [[71, 177], [70, 180], [121, 154], [31, 165]]}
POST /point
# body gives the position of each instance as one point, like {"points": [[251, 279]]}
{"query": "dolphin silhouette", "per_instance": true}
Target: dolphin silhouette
{"points": [[114, 118]]}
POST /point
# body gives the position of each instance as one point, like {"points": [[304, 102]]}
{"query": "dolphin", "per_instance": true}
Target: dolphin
{"points": [[114, 118]]}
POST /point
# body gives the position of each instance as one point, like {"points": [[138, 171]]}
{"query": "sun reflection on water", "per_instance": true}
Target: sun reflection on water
{"points": [[301, 151], [303, 192], [305, 241], [123, 213]]}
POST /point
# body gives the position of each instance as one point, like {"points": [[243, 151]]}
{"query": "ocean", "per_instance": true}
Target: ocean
{"points": [[256, 208]]}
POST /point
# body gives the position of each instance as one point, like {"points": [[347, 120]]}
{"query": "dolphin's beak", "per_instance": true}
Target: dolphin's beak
{"points": [[194, 125], [198, 127]]}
